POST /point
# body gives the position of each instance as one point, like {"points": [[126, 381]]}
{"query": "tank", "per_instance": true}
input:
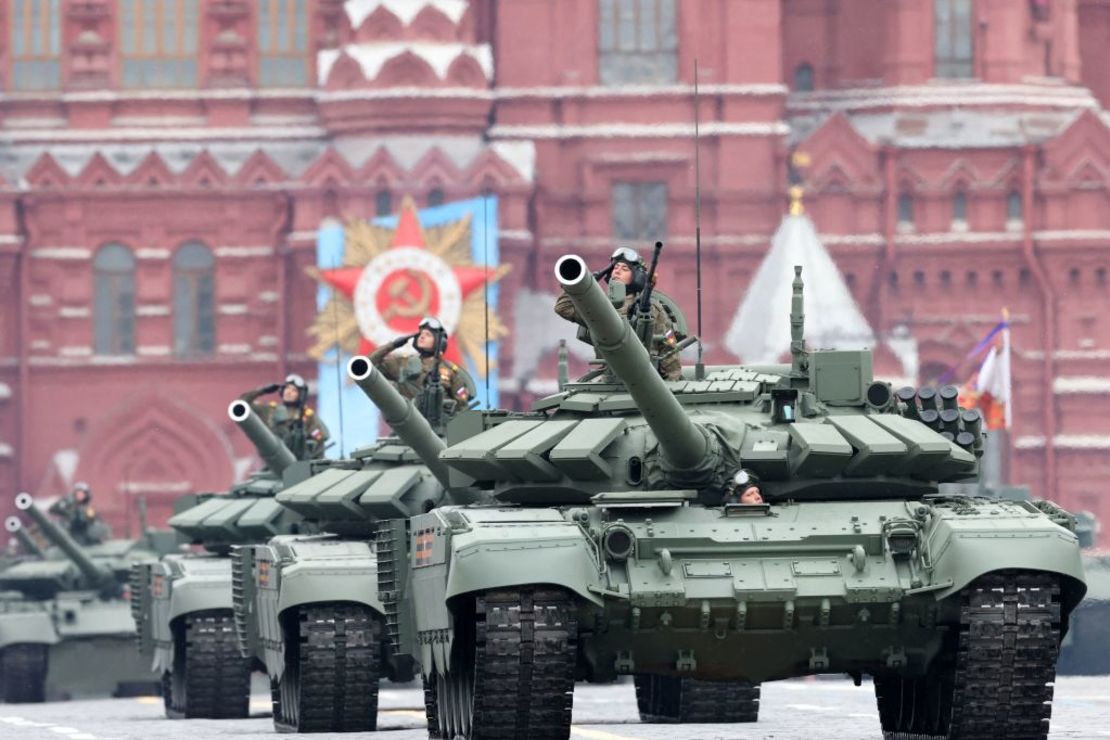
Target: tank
{"points": [[183, 602], [1086, 649], [612, 549], [321, 611], [65, 623]]}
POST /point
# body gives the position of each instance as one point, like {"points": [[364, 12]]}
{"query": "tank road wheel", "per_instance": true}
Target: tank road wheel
{"points": [[998, 681], [210, 679], [23, 673], [669, 699], [332, 662], [512, 668]]}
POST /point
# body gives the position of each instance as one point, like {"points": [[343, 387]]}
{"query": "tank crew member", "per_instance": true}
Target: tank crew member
{"points": [[411, 372], [293, 420], [79, 517], [743, 488], [627, 266]]}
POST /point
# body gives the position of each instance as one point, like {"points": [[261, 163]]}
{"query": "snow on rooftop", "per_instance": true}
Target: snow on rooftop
{"points": [[760, 330], [371, 57]]}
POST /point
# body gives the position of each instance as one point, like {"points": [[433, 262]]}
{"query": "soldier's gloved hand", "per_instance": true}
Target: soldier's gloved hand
{"points": [[271, 388], [402, 341]]}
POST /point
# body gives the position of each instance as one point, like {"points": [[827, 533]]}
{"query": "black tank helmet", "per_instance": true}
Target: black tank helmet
{"points": [[635, 263], [435, 326]]}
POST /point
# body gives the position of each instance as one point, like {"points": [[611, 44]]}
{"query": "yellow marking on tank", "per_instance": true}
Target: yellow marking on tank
{"points": [[598, 734]]}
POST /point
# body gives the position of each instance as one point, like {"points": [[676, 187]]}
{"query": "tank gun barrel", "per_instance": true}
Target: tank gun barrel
{"points": [[684, 444], [401, 415], [272, 450], [57, 535], [15, 527]]}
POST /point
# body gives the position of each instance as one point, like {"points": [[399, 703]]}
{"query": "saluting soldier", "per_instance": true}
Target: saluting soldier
{"points": [[411, 372], [627, 266], [293, 420], [79, 517]]}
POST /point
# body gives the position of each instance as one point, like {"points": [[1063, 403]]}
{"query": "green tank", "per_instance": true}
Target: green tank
{"points": [[65, 625], [1086, 649], [182, 603], [611, 549], [320, 611]]}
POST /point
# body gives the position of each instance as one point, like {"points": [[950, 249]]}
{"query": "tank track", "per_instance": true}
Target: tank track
{"points": [[211, 680], [523, 651], [670, 699], [431, 710], [332, 665], [1000, 683], [23, 673]]}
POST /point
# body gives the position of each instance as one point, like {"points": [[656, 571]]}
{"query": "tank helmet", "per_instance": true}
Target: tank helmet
{"points": [[295, 380], [635, 263], [741, 480], [82, 486], [438, 330]]}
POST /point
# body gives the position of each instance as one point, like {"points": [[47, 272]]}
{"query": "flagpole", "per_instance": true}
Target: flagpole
{"points": [[1008, 371]]}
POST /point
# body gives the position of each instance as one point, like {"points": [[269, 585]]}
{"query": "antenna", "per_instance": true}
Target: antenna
{"points": [[485, 286], [699, 368], [338, 377]]}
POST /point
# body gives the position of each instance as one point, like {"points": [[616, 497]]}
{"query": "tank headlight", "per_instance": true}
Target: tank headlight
{"points": [[901, 540], [618, 542]]}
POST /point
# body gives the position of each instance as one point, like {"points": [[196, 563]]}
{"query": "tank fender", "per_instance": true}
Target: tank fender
{"points": [[353, 578], [962, 554], [194, 593], [31, 626], [555, 553]]}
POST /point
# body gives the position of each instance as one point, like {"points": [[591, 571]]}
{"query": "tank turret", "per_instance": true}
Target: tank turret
{"points": [[401, 415], [15, 527], [276, 455], [96, 576], [687, 449]]}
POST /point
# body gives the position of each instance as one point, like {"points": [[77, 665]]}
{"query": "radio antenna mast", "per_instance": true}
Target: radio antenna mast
{"points": [[699, 368]]}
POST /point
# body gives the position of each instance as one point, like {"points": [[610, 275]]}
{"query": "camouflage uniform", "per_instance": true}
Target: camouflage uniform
{"points": [[409, 373], [670, 367], [81, 521], [300, 429]]}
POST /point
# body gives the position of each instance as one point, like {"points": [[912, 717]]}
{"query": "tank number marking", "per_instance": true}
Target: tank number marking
{"points": [[422, 547]]}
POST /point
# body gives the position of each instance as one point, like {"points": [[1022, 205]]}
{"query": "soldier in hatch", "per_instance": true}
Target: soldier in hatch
{"points": [[627, 266], [411, 372], [292, 421], [743, 488], [79, 517]]}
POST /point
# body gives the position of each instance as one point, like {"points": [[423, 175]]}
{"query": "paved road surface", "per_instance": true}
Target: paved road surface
{"points": [[792, 710]]}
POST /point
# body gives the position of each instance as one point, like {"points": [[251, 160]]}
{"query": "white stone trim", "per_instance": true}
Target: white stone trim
{"points": [[267, 340], [639, 130], [269, 296], [231, 309], [5, 391], [1056, 235], [373, 55], [1029, 442], [156, 133], [148, 253], [6, 450], [394, 93], [1066, 442], [74, 312], [41, 344], [39, 300], [405, 10], [942, 94], [75, 351], [524, 235], [155, 487], [957, 237], [244, 252], [11, 238], [61, 253], [234, 349], [1081, 384], [639, 91], [152, 309], [153, 350]]}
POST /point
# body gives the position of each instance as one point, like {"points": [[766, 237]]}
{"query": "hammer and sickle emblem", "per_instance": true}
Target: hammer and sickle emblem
{"points": [[403, 302]]}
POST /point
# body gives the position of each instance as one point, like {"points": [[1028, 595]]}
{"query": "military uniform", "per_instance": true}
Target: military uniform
{"points": [[670, 367], [300, 429], [81, 521], [409, 373]]}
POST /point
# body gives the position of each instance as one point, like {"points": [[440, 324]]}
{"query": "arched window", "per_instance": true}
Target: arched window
{"points": [[435, 197], [114, 301], [1013, 206], [959, 210], [803, 77], [383, 203], [194, 320], [905, 210], [953, 27]]}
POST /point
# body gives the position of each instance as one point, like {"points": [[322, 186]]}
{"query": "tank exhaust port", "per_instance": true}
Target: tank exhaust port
{"points": [[618, 541]]}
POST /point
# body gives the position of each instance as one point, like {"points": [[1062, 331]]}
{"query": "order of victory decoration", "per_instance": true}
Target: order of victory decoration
{"points": [[392, 278]]}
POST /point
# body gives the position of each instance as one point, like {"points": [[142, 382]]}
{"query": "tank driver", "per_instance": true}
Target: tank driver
{"points": [[79, 517], [411, 372], [292, 420], [627, 266], [743, 488]]}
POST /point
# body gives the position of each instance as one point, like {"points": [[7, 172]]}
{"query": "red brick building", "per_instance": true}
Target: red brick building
{"points": [[164, 166]]}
